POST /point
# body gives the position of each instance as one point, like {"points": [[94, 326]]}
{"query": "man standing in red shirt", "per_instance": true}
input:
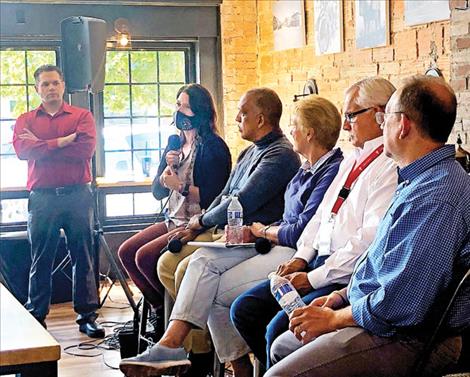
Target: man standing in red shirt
{"points": [[58, 141]]}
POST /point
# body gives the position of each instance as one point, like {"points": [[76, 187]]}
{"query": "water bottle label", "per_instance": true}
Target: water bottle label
{"points": [[281, 291], [290, 302], [234, 215]]}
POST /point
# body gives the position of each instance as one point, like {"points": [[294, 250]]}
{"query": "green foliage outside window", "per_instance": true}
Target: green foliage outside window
{"points": [[147, 68], [17, 96], [139, 97], [17, 80]]}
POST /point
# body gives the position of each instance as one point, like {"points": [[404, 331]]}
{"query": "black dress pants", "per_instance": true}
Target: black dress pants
{"points": [[69, 208]]}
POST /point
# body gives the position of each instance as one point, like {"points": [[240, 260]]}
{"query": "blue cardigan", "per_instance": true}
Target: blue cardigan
{"points": [[211, 170], [303, 196]]}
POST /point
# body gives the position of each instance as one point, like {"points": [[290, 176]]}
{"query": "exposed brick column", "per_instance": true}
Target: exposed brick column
{"points": [[460, 66], [239, 63]]}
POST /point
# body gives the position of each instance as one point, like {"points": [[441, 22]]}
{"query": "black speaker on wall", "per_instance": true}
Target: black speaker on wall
{"points": [[83, 53]]}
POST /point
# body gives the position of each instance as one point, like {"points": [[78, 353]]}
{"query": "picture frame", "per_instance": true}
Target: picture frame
{"points": [[372, 23], [425, 11], [288, 24], [328, 26]]}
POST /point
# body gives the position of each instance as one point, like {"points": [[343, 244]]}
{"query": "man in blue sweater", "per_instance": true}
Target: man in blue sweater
{"points": [[378, 325]]}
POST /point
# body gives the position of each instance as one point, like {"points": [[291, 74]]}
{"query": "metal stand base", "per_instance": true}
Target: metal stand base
{"points": [[103, 245]]}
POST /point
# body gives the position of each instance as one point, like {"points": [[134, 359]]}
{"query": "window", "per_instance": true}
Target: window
{"points": [[136, 115], [17, 95], [138, 104]]}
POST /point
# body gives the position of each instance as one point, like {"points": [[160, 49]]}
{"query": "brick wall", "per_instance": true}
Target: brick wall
{"points": [[239, 62], [249, 59], [460, 67]]}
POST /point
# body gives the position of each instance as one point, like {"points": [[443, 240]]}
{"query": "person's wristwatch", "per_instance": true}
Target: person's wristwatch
{"points": [[185, 191], [199, 220]]}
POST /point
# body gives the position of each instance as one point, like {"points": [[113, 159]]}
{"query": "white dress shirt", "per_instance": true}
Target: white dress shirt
{"points": [[357, 220]]}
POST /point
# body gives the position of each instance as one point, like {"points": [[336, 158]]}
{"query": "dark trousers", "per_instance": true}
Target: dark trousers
{"points": [[48, 213], [259, 319]]}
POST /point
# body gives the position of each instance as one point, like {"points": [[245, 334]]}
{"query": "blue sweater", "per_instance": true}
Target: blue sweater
{"points": [[259, 179], [303, 196]]}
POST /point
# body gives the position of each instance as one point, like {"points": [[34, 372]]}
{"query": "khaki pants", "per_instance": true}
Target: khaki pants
{"points": [[171, 268], [352, 351]]}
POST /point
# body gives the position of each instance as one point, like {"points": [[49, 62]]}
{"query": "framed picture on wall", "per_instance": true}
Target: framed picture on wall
{"points": [[288, 24], [328, 25], [372, 23], [424, 11]]}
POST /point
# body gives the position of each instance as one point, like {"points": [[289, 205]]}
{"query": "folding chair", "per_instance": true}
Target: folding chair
{"points": [[438, 331]]}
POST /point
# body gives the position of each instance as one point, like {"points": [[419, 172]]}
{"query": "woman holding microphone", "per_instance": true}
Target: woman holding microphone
{"points": [[192, 172]]}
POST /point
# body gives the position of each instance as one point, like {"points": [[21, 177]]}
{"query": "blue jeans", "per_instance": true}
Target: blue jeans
{"points": [[258, 318]]}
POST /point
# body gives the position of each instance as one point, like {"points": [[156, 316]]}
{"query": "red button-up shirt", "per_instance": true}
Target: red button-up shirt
{"points": [[49, 165]]}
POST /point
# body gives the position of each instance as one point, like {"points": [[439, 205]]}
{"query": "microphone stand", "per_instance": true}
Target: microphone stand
{"points": [[100, 240]]}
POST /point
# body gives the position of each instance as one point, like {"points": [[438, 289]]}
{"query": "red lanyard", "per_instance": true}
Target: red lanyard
{"points": [[353, 175]]}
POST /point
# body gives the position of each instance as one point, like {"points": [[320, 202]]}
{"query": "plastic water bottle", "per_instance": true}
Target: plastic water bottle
{"points": [[235, 221], [285, 293]]}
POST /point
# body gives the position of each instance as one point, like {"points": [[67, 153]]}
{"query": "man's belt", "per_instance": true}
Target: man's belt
{"points": [[61, 191]]}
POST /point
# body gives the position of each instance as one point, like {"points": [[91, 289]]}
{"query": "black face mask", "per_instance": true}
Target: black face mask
{"points": [[185, 122]]}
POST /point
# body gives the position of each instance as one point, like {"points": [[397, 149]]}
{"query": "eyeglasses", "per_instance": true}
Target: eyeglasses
{"points": [[351, 117], [380, 116]]}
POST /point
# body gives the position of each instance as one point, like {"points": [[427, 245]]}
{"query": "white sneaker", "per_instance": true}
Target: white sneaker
{"points": [[156, 361]]}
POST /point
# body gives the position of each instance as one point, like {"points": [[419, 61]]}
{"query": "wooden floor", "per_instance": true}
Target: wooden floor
{"points": [[61, 324]]}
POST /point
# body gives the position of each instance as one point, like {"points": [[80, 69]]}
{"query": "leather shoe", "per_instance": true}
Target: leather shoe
{"points": [[92, 329]]}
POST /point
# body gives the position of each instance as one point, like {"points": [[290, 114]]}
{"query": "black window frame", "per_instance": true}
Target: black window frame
{"points": [[109, 223], [20, 192]]}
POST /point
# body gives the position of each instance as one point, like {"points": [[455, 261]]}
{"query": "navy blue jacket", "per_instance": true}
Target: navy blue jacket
{"points": [[211, 170]]}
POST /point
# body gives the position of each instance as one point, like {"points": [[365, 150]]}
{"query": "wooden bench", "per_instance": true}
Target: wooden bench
{"points": [[26, 348]]}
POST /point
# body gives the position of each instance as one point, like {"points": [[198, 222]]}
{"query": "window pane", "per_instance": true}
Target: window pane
{"points": [[144, 66], [13, 101], [144, 100], [145, 204], [116, 134], [139, 163], [36, 59], [12, 68], [13, 210], [119, 205], [34, 99], [172, 66], [119, 166], [145, 131], [117, 67], [6, 136], [166, 129], [13, 172], [168, 98], [116, 100]]}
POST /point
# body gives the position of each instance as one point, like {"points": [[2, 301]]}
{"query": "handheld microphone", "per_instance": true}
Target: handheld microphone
{"points": [[175, 245], [174, 144], [263, 245]]}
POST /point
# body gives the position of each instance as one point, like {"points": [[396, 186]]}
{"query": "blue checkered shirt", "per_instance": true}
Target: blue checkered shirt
{"points": [[421, 245]]}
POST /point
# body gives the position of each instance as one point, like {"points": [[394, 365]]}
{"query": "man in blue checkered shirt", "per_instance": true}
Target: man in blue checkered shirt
{"points": [[377, 326]]}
